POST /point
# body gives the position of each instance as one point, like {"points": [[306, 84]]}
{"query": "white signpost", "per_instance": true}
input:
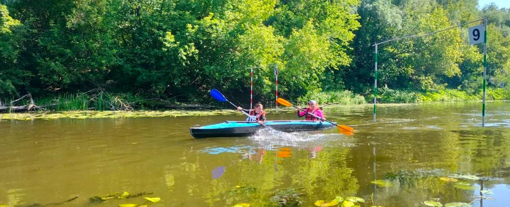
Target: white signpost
{"points": [[477, 35]]}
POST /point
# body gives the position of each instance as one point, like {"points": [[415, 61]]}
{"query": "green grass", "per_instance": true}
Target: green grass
{"points": [[101, 101]]}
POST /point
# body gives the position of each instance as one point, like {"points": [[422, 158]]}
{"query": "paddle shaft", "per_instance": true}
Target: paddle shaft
{"points": [[241, 110]]}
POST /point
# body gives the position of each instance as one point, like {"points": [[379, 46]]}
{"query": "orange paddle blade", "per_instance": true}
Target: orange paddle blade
{"points": [[346, 132], [283, 102], [345, 128]]}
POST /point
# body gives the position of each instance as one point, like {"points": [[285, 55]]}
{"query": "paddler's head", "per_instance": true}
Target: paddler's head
{"points": [[312, 104], [259, 108]]}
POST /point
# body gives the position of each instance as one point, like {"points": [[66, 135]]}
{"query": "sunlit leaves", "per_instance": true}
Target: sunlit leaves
{"points": [[6, 21]]}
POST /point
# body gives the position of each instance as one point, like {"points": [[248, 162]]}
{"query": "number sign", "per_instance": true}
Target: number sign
{"points": [[476, 34]]}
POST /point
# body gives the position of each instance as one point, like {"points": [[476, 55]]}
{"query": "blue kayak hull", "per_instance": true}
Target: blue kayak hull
{"points": [[244, 129]]}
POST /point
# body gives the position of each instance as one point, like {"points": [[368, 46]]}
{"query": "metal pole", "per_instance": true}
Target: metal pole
{"points": [[375, 83], [276, 74], [251, 88], [484, 68]]}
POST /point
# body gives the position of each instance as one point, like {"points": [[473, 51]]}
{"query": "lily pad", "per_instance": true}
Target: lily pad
{"points": [[432, 203], [467, 177], [471, 177], [124, 195], [464, 186], [319, 202], [154, 199], [447, 179], [486, 192], [382, 183], [333, 202], [355, 199], [128, 205], [457, 204], [347, 203], [242, 205]]}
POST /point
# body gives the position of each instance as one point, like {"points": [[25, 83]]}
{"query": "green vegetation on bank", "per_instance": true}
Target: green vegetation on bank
{"points": [[110, 114], [104, 101], [177, 50]]}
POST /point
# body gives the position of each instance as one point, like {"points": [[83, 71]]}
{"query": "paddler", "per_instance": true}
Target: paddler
{"points": [[313, 108], [257, 114]]}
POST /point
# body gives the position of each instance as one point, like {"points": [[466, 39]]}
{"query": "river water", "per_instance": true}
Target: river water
{"points": [[414, 154]]}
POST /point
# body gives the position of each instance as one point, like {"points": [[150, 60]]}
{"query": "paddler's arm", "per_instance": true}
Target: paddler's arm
{"points": [[300, 113], [320, 114], [241, 109], [263, 117]]}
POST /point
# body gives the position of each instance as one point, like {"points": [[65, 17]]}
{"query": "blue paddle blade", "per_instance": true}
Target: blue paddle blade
{"points": [[217, 95]]}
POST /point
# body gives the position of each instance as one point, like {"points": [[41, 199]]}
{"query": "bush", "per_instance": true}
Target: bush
{"points": [[343, 97], [387, 95]]}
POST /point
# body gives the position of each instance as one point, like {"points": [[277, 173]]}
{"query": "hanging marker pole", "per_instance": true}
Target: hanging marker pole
{"points": [[276, 74], [484, 68], [375, 82], [251, 88]]}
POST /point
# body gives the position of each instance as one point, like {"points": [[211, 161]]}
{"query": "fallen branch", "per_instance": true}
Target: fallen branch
{"points": [[12, 108]]}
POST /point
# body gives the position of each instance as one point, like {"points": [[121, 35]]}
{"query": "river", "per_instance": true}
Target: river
{"points": [[412, 154]]}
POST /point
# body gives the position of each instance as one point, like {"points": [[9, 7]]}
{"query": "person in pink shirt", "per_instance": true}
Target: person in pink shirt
{"points": [[313, 108]]}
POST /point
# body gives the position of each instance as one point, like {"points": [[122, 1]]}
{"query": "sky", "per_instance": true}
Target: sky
{"points": [[499, 3]]}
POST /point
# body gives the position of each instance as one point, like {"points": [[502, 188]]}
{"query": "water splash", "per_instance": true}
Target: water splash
{"points": [[271, 139]]}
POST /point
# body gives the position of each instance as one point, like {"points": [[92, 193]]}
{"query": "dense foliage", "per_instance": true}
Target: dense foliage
{"points": [[180, 49]]}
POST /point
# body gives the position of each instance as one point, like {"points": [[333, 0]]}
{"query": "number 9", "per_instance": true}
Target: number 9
{"points": [[476, 34]]}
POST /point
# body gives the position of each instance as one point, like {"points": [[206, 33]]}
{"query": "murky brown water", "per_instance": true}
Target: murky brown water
{"points": [[411, 146]]}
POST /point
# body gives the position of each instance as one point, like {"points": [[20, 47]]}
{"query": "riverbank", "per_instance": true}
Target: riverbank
{"points": [[89, 114]]}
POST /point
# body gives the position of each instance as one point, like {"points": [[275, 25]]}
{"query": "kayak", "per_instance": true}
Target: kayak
{"points": [[244, 129]]}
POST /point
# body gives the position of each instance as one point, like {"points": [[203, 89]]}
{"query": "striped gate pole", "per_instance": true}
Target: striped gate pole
{"points": [[251, 88], [276, 74], [375, 83]]}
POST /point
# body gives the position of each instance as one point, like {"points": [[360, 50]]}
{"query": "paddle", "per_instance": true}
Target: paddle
{"points": [[347, 129], [220, 97]]}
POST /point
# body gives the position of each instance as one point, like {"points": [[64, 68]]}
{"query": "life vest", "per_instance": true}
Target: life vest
{"points": [[255, 117], [308, 115]]}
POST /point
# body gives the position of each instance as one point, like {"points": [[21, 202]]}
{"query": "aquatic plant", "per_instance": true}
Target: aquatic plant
{"points": [[287, 198], [123, 195], [339, 200]]}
